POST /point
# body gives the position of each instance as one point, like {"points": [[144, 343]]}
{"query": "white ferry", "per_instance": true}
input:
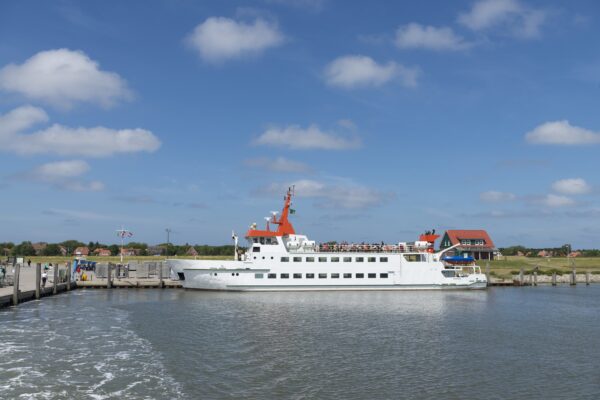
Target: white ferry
{"points": [[281, 260]]}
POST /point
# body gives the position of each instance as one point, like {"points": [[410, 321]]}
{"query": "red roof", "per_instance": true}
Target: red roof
{"points": [[456, 235]]}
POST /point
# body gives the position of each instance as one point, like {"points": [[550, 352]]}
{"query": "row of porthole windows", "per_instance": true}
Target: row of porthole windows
{"points": [[322, 275], [334, 259]]}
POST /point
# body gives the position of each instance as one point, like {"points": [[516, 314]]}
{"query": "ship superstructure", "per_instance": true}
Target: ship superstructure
{"points": [[279, 259]]}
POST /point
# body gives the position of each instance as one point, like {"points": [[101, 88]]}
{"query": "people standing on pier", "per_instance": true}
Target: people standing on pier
{"points": [[29, 262], [44, 278]]}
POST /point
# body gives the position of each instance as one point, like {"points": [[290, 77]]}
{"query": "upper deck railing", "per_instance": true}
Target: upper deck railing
{"points": [[368, 248]]}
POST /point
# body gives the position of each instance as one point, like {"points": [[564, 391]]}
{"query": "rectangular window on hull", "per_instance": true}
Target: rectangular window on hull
{"points": [[256, 249], [347, 276], [372, 276], [272, 276], [383, 259], [297, 259], [297, 276], [360, 275], [285, 276], [310, 259], [372, 259], [384, 275], [285, 259], [335, 276], [360, 259], [322, 276], [335, 259], [322, 259], [414, 257], [310, 276], [347, 259], [258, 276]]}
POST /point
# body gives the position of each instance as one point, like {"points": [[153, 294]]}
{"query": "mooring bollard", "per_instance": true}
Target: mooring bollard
{"points": [[521, 276], [573, 277], [16, 287], [535, 278], [554, 279], [38, 279], [55, 288], [108, 271], [587, 278]]}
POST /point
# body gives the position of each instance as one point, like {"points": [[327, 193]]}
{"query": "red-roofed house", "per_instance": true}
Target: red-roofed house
{"points": [[474, 243], [82, 251], [103, 252]]}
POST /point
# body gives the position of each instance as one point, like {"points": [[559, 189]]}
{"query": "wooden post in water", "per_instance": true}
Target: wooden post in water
{"points": [[160, 274], [108, 277], [16, 287], [573, 276], [68, 275], [487, 271], [521, 277], [38, 279], [535, 277], [554, 278], [55, 288], [587, 278]]}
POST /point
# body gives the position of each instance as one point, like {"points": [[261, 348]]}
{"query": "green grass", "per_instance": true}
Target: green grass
{"points": [[508, 266]]}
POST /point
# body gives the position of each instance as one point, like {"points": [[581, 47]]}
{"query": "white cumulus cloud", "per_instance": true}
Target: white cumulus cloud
{"points": [[415, 36], [298, 138], [571, 186], [510, 15], [553, 200], [63, 78], [333, 194], [279, 164], [562, 133], [64, 175], [356, 71], [220, 38], [493, 196], [63, 140]]}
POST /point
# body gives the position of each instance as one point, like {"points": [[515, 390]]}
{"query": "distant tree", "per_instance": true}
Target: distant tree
{"points": [[23, 249], [114, 249], [52, 249], [71, 245]]}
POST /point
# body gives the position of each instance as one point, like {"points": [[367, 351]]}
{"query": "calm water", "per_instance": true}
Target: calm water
{"points": [[502, 343]]}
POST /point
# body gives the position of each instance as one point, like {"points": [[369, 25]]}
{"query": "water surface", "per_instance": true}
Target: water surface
{"points": [[173, 344]]}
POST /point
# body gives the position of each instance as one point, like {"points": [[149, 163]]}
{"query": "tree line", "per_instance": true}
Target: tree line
{"points": [[68, 247], [561, 251]]}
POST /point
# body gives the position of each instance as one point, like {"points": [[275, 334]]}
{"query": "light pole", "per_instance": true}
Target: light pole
{"points": [[168, 243], [123, 233]]}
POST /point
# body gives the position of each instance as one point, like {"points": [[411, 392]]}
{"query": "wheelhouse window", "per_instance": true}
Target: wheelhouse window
{"points": [[383, 259], [371, 276], [322, 276], [272, 276], [335, 276], [310, 276], [285, 259], [414, 257], [360, 259], [297, 276], [372, 259], [322, 259], [347, 275], [310, 259], [383, 275], [347, 259], [297, 259], [360, 275], [335, 259], [258, 276], [285, 276], [256, 249]]}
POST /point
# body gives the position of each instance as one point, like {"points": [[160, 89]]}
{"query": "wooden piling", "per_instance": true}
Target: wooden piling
{"points": [[535, 278], [108, 275], [55, 287], [16, 287], [521, 276], [554, 278], [587, 278], [573, 277], [38, 279], [160, 275], [68, 275]]}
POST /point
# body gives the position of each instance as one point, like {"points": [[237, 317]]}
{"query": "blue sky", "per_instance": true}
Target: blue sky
{"points": [[390, 118]]}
